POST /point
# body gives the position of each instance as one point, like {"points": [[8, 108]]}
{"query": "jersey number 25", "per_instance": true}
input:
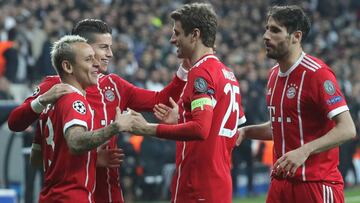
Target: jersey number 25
{"points": [[230, 90]]}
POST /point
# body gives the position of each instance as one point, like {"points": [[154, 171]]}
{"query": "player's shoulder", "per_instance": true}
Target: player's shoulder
{"points": [[52, 78], [208, 65], [73, 96], [313, 65], [72, 100], [206, 61], [110, 78]]}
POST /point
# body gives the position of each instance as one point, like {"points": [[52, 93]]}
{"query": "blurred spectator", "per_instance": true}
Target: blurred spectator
{"points": [[144, 56]]}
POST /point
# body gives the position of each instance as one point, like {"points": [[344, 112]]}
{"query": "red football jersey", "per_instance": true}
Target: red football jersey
{"points": [[203, 166], [68, 177], [24, 111], [301, 103], [110, 92]]}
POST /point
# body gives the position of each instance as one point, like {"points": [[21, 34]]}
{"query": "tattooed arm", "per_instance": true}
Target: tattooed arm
{"points": [[79, 140]]}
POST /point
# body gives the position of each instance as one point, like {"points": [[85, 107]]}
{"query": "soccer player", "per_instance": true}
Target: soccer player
{"points": [[110, 92], [209, 112], [309, 116], [68, 143]]}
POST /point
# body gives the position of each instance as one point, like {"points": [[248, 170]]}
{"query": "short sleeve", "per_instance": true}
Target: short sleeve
{"points": [[327, 94], [74, 110]]}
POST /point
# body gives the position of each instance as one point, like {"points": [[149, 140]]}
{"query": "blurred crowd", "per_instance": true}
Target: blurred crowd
{"points": [[144, 56]]}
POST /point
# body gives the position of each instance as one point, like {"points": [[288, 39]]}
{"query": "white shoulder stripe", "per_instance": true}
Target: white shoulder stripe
{"points": [[74, 122], [277, 65], [308, 67], [337, 111], [204, 59], [242, 120], [310, 64], [312, 61]]}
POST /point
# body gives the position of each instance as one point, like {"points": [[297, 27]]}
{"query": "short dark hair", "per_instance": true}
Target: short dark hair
{"points": [[63, 50], [292, 17], [88, 27], [198, 15]]}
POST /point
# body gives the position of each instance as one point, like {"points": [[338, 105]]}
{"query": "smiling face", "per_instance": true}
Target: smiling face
{"points": [[85, 68], [181, 41], [277, 40], [102, 47]]}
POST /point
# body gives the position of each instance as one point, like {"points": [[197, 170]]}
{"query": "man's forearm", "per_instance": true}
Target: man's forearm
{"points": [[342, 132], [80, 140], [258, 132]]}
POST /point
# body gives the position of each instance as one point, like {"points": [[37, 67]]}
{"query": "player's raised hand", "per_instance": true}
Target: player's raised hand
{"points": [[167, 114], [54, 93], [290, 162], [110, 158], [124, 121]]}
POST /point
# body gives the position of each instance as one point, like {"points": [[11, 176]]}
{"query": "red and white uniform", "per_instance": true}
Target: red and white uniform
{"points": [[68, 177], [206, 134], [110, 92], [301, 104], [24, 111]]}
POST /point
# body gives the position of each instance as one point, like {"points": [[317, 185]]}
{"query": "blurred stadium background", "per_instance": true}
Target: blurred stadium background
{"points": [[144, 56]]}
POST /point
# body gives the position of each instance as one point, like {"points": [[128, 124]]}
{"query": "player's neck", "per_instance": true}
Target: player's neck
{"points": [[289, 60], [74, 83], [200, 52]]}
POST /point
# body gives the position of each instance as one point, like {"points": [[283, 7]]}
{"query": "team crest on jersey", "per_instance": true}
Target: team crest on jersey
{"points": [[291, 91], [79, 106], [36, 91], [329, 87], [109, 94]]}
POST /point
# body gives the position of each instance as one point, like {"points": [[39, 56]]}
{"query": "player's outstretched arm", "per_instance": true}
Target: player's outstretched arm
{"points": [[28, 112], [196, 129], [79, 140], [258, 132]]}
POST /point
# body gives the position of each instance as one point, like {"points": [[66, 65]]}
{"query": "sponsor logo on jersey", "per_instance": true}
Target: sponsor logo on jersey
{"points": [[329, 87], [291, 91], [334, 100], [79, 106], [36, 91]]}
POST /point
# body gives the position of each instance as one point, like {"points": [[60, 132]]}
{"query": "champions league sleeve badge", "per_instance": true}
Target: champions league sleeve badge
{"points": [[329, 87], [36, 91], [200, 85], [79, 106]]}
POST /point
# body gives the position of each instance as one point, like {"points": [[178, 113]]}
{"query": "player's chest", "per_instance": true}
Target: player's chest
{"points": [[104, 100], [287, 93]]}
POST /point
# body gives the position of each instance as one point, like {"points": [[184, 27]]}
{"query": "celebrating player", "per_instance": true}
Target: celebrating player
{"points": [[209, 112], [110, 92], [309, 116], [67, 145]]}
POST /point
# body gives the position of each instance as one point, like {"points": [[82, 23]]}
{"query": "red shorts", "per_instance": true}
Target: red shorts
{"points": [[285, 191]]}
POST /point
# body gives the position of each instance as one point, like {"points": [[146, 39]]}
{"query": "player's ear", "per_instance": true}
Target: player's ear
{"points": [[195, 34], [66, 66], [297, 35]]}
